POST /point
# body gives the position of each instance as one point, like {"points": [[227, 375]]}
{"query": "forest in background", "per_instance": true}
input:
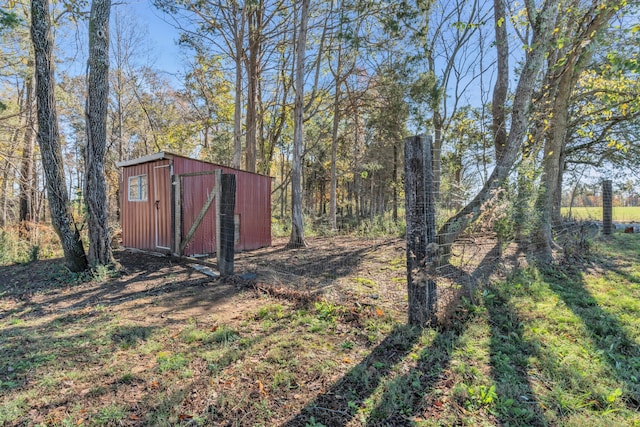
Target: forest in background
{"points": [[526, 102]]}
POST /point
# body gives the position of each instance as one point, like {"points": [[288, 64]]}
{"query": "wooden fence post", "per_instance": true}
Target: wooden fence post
{"points": [[607, 207], [422, 248], [177, 215], [225, 237]]}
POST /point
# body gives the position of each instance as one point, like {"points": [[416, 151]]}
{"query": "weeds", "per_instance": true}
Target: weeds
{"points": [[224, 335], [41, 242], [171, 362]]}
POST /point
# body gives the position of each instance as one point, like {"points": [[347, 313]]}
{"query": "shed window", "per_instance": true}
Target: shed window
{"points": [[138, 188]]}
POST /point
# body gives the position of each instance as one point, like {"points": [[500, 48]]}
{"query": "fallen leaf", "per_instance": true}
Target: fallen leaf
{"points": [[261, 388], [183, 417]]}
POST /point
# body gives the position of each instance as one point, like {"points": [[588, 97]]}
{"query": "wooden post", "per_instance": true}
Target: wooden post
{"points": [[607, 207], [422, 249], [177, 215], [225, 237]]}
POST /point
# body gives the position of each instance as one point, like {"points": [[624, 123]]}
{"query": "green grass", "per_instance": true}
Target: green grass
{"points": [[544, 347], [620, 213]]}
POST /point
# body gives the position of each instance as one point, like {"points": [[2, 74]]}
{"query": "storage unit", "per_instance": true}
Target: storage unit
{"points": [[163, 195]]}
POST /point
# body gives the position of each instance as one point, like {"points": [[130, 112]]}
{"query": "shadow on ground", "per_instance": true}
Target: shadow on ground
{"points": [[605, 331], [401, 400]]}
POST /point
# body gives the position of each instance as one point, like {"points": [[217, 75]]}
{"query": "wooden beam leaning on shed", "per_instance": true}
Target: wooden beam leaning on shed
{"points": [[179, 243]]}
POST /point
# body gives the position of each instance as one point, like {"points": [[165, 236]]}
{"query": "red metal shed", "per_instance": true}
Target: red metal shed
{"points": [[163, 194]]}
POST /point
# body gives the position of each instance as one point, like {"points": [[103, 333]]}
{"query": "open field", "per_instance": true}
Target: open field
{"points": [[319, 339], [620, 214]]}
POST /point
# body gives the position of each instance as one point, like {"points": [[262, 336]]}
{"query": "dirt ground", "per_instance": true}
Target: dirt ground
{"points": [[163, 293], [333, 267], [170, 288]]}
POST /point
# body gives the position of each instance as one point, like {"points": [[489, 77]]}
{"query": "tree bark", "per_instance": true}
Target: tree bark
{"points": [[297, 219], [237, 112], [49, 139], [436, 154], [254, 16], [500, 90], [96, 117], [334, 155], [396, 161], [421, 231], [26, 170], [3, 194]]}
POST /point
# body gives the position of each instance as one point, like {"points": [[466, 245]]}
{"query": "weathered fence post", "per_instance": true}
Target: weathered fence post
{"points": [[225, 237], [421, 231], [607, 207]]}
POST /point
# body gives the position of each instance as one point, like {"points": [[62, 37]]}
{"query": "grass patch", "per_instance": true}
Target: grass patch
{"points": [[171, 362], [545, 346], [620, 213]]}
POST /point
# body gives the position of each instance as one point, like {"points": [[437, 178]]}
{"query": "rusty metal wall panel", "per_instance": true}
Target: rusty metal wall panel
{"points": [[139, 217], [253, 206]]}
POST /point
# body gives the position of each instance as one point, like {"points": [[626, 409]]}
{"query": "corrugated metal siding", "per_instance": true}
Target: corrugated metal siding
{"points": [[145, 227], [139, 217], [196, 190], [253, 205], [162, 197]]}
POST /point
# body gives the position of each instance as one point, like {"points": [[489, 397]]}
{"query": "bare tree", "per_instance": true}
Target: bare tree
{"points": [[49, 138], [297, 220]]}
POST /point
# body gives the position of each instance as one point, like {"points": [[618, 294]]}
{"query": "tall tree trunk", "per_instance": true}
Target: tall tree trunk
{"points": [[551, 161], [237, 111], [297, 219], [334, 155], [96, 116], [237, 116], [255, 16], [49, 138], [395, 181], [3, 195], [565, 72], [436, 154], [543, 236], [556, 213], [542, 30], [26, 169], [500, 90]]}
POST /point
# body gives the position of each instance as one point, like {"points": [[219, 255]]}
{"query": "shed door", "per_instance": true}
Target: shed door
{"points": [[162, 194]]}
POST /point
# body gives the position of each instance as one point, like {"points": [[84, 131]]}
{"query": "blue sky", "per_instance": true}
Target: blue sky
{"points": [[162, 36]]}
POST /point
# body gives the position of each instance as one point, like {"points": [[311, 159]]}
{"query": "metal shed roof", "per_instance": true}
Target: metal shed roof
{"points": [[145, 159], [162, 155]]}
